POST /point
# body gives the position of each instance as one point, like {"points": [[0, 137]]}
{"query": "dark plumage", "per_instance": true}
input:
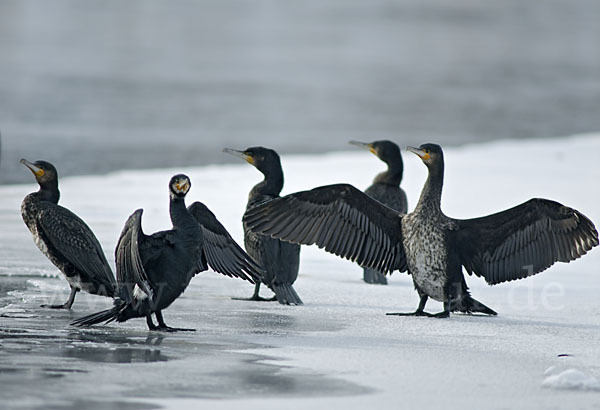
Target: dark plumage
{"points": [[432, 247], [280, 260], [154, 270], [64, 238], [385, 188]]}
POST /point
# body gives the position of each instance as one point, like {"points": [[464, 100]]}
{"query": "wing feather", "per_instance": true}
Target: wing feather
{"points": [[130, 269], [339, 218], [523, 240], [223, 254], [74, 239]]}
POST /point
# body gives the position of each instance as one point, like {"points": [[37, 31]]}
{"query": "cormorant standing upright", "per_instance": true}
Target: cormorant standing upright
{"points": [[385, 188], [65, 238], [154, 270], [432, 247], [280, 260]]}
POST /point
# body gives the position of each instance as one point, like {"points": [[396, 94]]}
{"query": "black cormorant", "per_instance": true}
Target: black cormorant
{"points": [[154, 270], [432, 247], [64, 238], [281, 260], [385, 188]]}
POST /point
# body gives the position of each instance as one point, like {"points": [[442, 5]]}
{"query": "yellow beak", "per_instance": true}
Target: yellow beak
{"points": [[422, 154], [364, 145], [249, 159], [37, 171]]}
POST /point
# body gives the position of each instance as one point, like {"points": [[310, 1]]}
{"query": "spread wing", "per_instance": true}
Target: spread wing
{"points": [[130, 269], [222, 253], [71, 236], [523, 240], [339, 218]]}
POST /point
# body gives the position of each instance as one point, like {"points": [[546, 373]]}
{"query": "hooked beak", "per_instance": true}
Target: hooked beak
{"points": [[182, 186], [422, 154], [364, 145], [240, 154], [37, 171]]}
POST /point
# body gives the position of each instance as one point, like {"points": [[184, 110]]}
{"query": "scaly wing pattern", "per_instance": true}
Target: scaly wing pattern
{"points": [[74, 239]]}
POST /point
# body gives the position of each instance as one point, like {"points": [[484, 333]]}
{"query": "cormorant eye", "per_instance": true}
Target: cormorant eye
{"points": [[426, 151]]}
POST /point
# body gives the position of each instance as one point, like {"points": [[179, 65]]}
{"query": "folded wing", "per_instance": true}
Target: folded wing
{"points": [[71, 236], [130, 269]]}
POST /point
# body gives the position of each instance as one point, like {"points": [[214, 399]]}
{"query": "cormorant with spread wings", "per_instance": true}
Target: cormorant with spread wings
{"points": [[431, 246]]}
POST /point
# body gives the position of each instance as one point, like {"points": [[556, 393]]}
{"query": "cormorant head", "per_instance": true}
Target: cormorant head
{"points": [[44, 172], [386, 150], [179, 186], [430, 154], [264, 159]]}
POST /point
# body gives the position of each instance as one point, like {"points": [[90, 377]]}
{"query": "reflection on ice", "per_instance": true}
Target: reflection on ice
{"points": [[42, 357], [114, 348]]}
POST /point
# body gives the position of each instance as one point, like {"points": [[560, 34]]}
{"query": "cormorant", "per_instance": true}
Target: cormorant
{"points": [[154, 270], [64, 238], [385, 188], [432, 247], [280, 260]]}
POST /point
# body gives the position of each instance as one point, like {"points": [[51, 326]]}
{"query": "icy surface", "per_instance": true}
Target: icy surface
{"points": [[339, 350]]}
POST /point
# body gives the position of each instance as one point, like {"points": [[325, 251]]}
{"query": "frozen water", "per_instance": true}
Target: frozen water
{"points": [[339, 350]]}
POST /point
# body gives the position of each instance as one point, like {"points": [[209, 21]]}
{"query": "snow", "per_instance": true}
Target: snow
{"points": [[572, 379], [339, 349]]}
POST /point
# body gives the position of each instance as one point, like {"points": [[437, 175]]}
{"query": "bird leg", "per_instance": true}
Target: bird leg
{"points": [[255, 297], [444, 313], [418, 312], [67, 304], [421, 312], [162, 325], [150, 323]]}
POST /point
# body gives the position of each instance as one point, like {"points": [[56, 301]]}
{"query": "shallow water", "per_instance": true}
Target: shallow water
{"points": [[101, 85]]}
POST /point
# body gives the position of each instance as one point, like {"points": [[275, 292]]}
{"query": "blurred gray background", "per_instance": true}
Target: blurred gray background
{"points": [[96, 86]]}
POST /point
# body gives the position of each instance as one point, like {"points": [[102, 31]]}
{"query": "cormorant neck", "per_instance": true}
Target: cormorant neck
{"points": [[49, 192], [431, 195], [393, 175], [272, 184], [179, 213]]}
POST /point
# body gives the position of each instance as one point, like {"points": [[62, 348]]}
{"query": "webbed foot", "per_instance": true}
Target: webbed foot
{"points": [[441, 315], [170, 329], [256, 298], [66, 305]]}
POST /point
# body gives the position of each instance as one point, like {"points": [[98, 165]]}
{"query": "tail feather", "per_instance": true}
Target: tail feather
{"points": [[470, 305], [107, 316], [286, 294], [374, 276]]}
